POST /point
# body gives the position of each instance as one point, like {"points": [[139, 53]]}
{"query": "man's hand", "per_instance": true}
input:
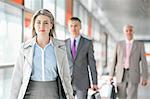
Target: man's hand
{"points": [[144, 82], [94, 87], [110, 78]]}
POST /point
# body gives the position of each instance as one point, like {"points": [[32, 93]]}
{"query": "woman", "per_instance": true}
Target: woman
{"points": [[41, 70]]}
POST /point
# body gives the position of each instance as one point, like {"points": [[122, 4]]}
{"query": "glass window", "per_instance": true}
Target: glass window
{"points": [[10, 37], [85, 22], [33, 4], [5, 82], [68, 10], [83, 15], [147, 50], [90, 26], [17, 1], [75, 8], [97, 54], [110, 51], [50, 5], [60, 12], [60, 32], [95, 30], [60, 19], [27, 29]]}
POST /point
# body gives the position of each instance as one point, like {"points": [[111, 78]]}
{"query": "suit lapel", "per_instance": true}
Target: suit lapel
{"points": [[79, 46], [134, 45], [69, 49], [78, 49], [124, 48]]}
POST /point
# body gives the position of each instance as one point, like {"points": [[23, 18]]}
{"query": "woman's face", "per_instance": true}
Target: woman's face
{"points": [[43, 25]]}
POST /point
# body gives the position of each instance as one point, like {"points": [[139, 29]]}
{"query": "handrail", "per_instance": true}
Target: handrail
{"points": [[6, 66]]}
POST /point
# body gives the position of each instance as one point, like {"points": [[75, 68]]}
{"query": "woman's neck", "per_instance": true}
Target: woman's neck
{"points": [[42, 41]]}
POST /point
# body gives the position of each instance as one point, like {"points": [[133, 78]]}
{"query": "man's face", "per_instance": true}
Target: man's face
{"points": [[74, 27], [128, 31]]}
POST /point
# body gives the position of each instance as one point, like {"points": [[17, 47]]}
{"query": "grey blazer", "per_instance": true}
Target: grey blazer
{"points": [[79, 66], [135, 59]]}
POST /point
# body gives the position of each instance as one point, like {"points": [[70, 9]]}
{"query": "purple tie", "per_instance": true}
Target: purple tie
{"points": [[73, 49]]}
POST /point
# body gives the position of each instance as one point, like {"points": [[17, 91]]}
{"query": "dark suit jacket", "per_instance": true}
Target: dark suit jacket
{"points": [[136, 59], [79, 66]]}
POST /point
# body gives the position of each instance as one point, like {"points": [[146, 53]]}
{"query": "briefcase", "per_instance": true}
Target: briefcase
{"points": [[113, 92], [95, 95], [109, 91]]}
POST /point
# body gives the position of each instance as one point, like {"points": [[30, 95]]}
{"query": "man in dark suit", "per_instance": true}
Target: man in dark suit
{"points": [[129, 62], [80, 55]]}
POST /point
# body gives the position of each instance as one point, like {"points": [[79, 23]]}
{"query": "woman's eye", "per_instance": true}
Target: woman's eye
{"points": [[45, 22], [38, 22]]}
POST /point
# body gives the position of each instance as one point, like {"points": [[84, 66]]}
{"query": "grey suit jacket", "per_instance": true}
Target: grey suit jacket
{"points": [[79, 66], [137, 62]]}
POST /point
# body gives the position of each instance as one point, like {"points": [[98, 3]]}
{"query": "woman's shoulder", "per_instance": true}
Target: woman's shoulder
{"points": [[28, 43], [58, 41]]}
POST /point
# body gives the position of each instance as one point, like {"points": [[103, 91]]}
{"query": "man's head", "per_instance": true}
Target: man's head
{"points": [[74, 25], [128, 31]]}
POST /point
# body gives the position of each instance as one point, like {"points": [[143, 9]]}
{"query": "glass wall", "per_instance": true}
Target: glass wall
{"points": [[97, 43], [147, 50], [16, 1], [10, 37], [60, 19], [5, 80], [33, 4], [50, 5], [27, 28], [110, 52], [79, 11]]}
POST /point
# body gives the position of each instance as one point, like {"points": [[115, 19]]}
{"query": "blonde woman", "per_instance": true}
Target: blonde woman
{"points": [[41, 70]]}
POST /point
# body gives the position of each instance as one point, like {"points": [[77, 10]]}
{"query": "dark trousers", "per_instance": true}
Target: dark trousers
{"points": [[81, 94]]}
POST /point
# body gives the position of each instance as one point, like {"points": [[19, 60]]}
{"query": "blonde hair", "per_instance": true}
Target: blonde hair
{"points": [[46, 13]]}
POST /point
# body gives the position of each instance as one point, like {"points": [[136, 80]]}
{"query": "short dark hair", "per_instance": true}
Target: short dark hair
{"points": [[75, 19]]}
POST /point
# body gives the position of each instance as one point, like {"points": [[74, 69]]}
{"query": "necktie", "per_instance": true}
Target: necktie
{"points": [[128, 49], [73, 49]]}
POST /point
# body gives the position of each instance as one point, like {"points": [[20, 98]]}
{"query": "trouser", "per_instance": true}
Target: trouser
{"points": [[126, 89], [80, 94]]}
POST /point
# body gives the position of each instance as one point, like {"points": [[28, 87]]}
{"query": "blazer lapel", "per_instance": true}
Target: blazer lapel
{"points": [[124, 48], [134, 45], [69, 49], [79, 46]]}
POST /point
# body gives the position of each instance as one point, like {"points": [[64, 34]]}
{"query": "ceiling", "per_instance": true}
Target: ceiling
{"points": [[118, 13]]}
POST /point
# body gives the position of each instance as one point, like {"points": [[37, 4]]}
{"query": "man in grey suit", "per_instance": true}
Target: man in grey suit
{"points": [[80, 56], [129, 65]]}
